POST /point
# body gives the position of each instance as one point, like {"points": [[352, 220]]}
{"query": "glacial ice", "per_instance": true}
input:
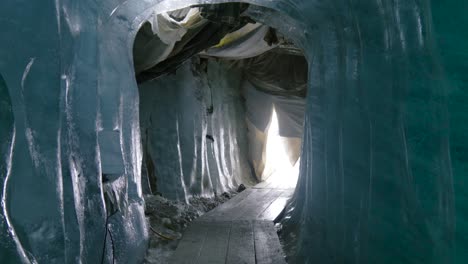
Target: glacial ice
{"points": [[193, 151], [384, 156]]}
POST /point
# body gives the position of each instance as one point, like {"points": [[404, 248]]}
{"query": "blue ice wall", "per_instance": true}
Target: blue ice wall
{"points": [[448, 18], [53, 207], [7, 134], [189, 149], [383, 173], [376, 183]]}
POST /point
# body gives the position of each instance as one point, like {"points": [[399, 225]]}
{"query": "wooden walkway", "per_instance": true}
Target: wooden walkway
{"points": [[238, 231]]}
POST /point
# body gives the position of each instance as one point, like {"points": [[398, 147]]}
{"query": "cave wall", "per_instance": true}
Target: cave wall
{"points": [[450, 41], [53, 205], [194, 131], [382, 170], [376, 183]]}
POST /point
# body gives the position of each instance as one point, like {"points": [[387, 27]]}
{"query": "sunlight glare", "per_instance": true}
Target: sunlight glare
{"points": [[278, 167]]}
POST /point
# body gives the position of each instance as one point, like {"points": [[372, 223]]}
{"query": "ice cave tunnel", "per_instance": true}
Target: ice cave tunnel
{"points": [[217, 131]]}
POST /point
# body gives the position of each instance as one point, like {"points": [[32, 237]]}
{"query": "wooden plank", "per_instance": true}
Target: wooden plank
{"points": [[232, 204], [253, 200], [241, 244], [274, 184], [261, 211], [215, 248], [228, 235], [237, 209], [288, 193], [257, 206], [275, 208], [190, 246], [268, 249], [262, 185]]}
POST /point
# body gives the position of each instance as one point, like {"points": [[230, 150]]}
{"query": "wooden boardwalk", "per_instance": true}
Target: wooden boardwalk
{"points": [[238, 231]]}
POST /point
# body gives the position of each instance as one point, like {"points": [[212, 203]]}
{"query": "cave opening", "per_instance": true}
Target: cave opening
{"points": [[222, 104], [235, 83]]}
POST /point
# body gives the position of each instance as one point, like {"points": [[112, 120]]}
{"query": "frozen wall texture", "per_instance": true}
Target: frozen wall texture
{"points": [[385, 126], [447, 19], [194, 131], [53, 206], [376, 182]]}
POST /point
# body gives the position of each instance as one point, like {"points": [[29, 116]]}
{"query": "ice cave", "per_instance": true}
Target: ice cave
{"points": [[247, 131]]}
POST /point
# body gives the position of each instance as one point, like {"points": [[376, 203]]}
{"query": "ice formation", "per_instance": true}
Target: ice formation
{"points": [[383, 165], [191, 149]]}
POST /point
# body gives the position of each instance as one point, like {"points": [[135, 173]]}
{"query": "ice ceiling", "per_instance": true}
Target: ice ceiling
{"points": [[384, 155]]}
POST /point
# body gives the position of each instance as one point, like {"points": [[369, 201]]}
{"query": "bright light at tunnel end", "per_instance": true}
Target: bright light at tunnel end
{"points": [[278, 167]]}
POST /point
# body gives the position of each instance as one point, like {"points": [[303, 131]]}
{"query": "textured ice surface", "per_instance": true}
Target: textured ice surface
{"points": [[383, 170], [376, 182], [190, 150]]}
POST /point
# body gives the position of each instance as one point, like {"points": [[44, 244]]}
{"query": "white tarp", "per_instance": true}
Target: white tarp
{"points": [[289, 109], [157, 38], [247, 42]]}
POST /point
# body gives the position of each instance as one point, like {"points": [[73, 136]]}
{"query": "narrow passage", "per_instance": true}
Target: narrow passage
{"points": [[238, 231]]}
